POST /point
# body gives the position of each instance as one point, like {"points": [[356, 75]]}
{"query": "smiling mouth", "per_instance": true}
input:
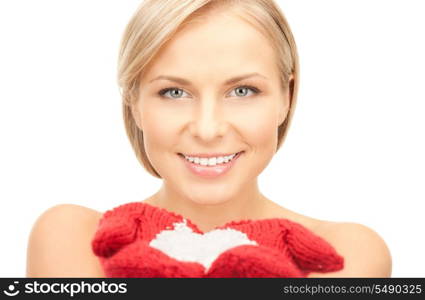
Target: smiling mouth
{"points": [[216, 155], [211, 160]]}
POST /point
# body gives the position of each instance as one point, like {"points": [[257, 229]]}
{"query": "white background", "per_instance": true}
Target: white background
{"points": [[354, 151]]}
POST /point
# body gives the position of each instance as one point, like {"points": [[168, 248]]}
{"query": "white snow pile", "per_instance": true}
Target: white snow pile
{"points": [[183, 244]]}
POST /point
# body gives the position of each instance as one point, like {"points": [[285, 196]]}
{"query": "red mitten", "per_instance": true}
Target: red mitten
{"points": [[140, 240], [311, 252], [116, 229]]}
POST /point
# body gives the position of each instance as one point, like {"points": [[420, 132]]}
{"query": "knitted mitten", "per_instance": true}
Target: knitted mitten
{"points": [[140, 240]]}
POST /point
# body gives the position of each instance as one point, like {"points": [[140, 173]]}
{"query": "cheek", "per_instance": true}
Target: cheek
{"points": [[160, 130], [259, 128], [257, 124], [159, 140], [259, 132]]}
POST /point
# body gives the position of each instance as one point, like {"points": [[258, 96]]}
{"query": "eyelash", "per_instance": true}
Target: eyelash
{"points": [[255, 90]]}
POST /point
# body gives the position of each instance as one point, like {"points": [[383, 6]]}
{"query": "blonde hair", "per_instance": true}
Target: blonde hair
{"points": [[155, 22]]}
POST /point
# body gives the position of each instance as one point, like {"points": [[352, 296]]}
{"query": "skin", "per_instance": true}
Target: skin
{"points": [[209, 117], [206, 117]]}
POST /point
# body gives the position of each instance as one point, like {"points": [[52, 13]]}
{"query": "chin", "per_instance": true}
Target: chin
{"points": [[210, 201], [204, 197]]}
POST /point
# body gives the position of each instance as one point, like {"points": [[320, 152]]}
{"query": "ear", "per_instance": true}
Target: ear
{"points": [[284, 107], [136, 115], [283, 112]]}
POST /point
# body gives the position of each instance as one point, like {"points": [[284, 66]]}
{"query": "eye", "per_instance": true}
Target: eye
{"points": [[243, 90], [176, 93]]}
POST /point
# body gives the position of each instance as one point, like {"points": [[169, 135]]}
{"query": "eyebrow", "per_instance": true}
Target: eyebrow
{"points": [[183, 81]]}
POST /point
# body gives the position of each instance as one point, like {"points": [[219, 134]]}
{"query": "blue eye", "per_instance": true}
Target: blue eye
{"points": [[176, 92], [244, 89]]}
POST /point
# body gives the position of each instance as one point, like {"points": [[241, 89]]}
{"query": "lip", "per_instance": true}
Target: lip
{"points": [[208, 155], [210, 171]]}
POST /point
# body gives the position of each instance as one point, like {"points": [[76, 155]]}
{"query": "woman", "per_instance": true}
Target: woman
{"points": [[209, 89]]}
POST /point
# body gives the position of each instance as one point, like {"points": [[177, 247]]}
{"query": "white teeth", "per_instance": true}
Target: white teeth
{"points": [[212, 161]]}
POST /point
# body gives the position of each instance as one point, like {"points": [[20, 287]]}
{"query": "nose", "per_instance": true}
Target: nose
{"points": [[208, 121]]}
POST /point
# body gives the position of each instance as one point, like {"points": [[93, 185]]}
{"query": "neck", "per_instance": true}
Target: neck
{"points": [[249, 204]]}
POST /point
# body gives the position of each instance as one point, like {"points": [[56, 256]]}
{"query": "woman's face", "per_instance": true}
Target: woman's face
{"points": [[202, 114]]}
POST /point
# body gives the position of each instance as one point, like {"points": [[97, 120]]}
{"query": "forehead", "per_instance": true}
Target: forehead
{"points": [[220, 44]]}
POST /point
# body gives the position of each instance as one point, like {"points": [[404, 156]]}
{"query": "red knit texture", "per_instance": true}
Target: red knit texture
{"points": [[285, 248]]}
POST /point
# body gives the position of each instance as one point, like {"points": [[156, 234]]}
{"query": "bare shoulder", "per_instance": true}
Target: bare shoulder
{"points": [[365, 252], [59, 244]]}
